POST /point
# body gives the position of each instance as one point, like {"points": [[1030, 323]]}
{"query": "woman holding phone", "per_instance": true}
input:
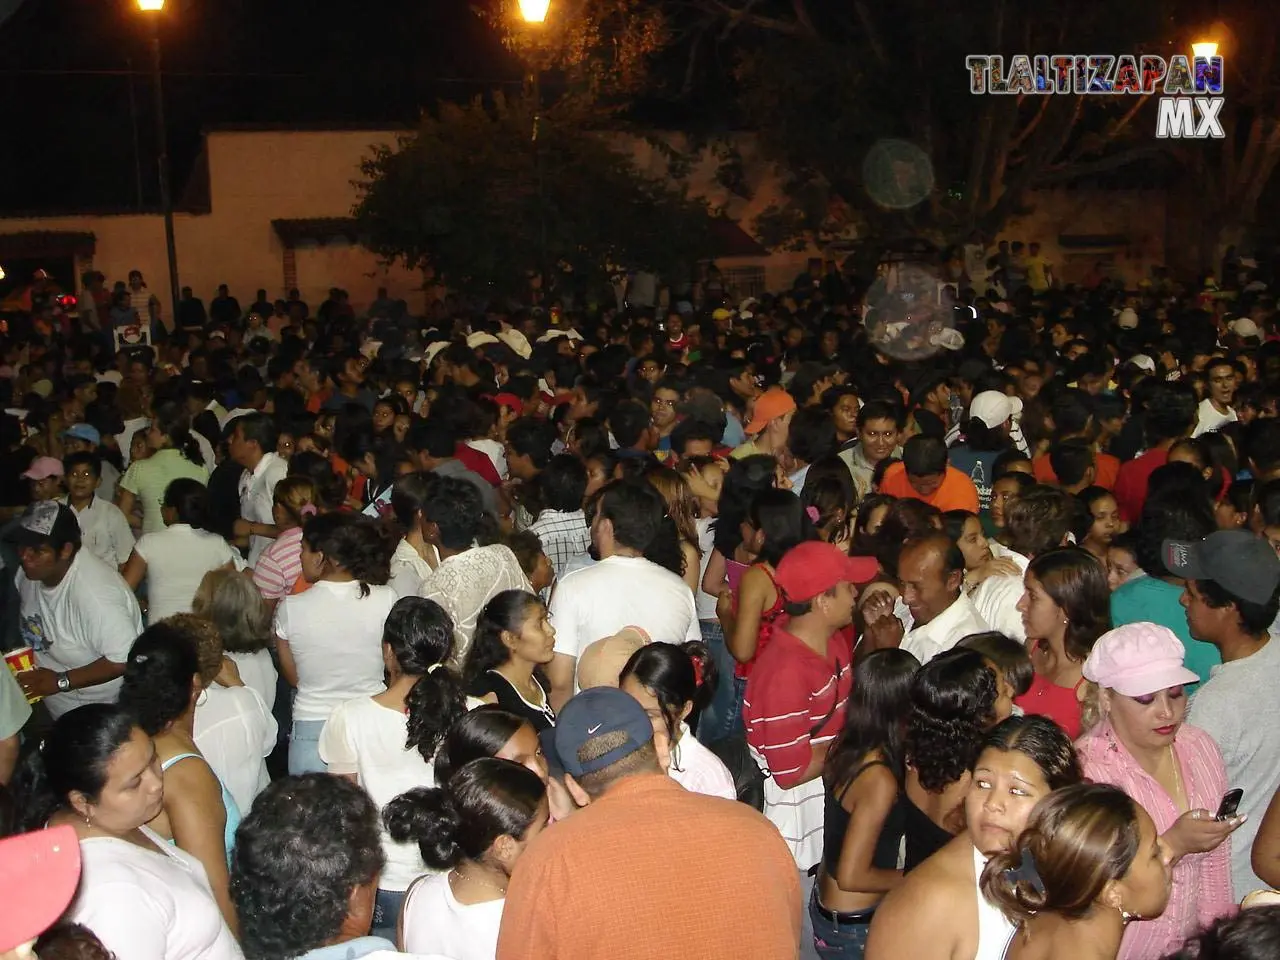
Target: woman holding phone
{"points": [[1137, 739]]}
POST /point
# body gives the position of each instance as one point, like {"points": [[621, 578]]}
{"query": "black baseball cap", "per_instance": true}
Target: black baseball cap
{"points": [[1241, 563], [594, 713], [45, 522]]}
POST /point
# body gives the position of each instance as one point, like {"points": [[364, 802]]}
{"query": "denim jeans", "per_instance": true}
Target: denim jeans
{"points": [[304, 747], [837, 941], [723, 716], [386, 914]]}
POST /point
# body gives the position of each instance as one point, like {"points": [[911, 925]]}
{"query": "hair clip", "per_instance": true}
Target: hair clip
{"points": [[142, 658], [434, 667], [699, 668], [1026, 872], [812, 513], [308, 511]]}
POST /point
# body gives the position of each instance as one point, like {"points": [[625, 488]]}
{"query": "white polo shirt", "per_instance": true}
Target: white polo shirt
{"points": [[944, 631], [104, 531], [257, 493]]}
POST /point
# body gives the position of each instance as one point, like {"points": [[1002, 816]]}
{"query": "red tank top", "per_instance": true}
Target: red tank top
{"points": [[1059, 704], [767, 620]]}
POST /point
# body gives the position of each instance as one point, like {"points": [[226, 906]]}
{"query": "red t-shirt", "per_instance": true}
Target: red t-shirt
{"points": [[1059, 704], [796, 698], [1131, 484]]}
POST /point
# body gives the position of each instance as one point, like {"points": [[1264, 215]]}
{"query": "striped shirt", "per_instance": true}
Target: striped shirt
{"points": [[280, 565], [795, 700], [1202, 889]]}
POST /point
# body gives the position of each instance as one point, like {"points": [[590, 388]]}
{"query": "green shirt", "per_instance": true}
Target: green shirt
{"points": [[1154, 600], [148, 479], [14, 710]]}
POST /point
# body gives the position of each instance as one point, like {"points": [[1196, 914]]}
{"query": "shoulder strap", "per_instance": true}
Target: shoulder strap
{"points": [[404, 908], [859, 772], [182, 756]]}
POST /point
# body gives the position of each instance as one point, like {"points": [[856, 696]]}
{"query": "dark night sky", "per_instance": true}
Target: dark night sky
{"points": [[69, 141]]}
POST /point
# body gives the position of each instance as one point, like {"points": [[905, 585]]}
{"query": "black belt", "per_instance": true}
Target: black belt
{"points": [[862, 917]]}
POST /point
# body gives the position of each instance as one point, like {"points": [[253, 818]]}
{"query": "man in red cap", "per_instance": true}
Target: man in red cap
{"points": [[795, 700]]}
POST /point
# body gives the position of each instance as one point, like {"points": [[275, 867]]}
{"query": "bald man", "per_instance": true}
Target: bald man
{"points": [[932, 573]]}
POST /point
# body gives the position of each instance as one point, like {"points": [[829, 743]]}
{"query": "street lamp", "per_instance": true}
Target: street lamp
{"points": [[534, 12], [154, 8], [1204, 48]]}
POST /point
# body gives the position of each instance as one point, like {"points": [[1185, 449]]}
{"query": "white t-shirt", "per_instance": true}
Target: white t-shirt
{"points": [[89, 615], [125, 439], [705, 602], [368, 739], [1208, 418], [699, 770], [236, 733], [408, 570], [104, 531], [620, 592], [257, 497], [149, 904], [435, 922], [258, 672], [335, 636], [177, 558]]}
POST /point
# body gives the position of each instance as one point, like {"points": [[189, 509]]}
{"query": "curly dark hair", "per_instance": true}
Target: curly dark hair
{"points": [[358, 544], [953, 699], [1252, 934], [305, 844]]}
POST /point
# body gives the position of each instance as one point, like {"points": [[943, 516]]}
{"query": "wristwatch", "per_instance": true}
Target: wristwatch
{"points": [[64, 682]]}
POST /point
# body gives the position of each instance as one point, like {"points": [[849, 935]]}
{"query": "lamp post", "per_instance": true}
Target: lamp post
{"points": [[1204, 48], [534, 13], [154, 8]]}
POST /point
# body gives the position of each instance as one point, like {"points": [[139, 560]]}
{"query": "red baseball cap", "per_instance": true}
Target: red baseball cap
{"points": [[39, 872], [814, 567]]}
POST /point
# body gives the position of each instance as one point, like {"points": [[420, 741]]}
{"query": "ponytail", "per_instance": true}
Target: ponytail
{"points": [[432, 706], [486, 799]]}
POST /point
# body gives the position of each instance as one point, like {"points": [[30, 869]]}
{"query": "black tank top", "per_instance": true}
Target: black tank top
{"points": [[836, 825], [509, 699], [924, 837]]}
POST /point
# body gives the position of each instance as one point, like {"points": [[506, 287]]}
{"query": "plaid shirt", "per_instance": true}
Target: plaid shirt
{"points": [[565, 536]]}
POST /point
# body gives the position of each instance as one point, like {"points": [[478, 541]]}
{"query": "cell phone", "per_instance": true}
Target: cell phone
{"points": [[1230, 803]]}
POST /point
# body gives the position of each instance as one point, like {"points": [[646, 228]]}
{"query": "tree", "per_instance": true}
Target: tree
{"points": [[1227, 177], [475, 199], [825, 83]]}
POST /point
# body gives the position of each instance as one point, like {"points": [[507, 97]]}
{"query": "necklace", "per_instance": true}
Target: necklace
{"points": [[483, 881]]}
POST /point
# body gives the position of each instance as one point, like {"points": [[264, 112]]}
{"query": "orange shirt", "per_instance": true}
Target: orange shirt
{"points": [[614, 881], [1106, 470], [956, 493]]}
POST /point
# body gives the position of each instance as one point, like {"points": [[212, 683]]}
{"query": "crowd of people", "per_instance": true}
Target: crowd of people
{"points": [[703, 631]]}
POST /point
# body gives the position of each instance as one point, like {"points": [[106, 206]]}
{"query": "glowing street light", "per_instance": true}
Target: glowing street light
{"points": [[1205, 48], [153, 8], [533, 11]]}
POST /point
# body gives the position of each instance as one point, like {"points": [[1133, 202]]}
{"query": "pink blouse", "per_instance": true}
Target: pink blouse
{"points": [[1201, 881]]}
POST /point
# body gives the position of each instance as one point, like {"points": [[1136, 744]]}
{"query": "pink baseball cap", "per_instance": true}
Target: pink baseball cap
{"points": [[42, 468], [39, 872], [1138, 659]]}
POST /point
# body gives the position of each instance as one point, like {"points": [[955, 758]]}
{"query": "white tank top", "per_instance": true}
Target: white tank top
{"points": [[994, 928]]}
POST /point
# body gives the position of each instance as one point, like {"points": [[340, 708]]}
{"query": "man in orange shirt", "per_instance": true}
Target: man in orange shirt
{"points": [[1073, 419], [925, 475], [613, 881]]}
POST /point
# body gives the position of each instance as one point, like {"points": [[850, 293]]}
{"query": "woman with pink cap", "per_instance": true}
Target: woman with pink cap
{"points": [[1136, 739]]}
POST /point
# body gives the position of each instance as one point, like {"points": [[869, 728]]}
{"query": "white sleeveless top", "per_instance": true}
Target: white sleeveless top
{"points": [[994, 929]]}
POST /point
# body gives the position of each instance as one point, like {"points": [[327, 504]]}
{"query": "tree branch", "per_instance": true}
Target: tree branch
{"points": [[874, 40], [1031, 124], [1072, 171], [740, 15]]}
